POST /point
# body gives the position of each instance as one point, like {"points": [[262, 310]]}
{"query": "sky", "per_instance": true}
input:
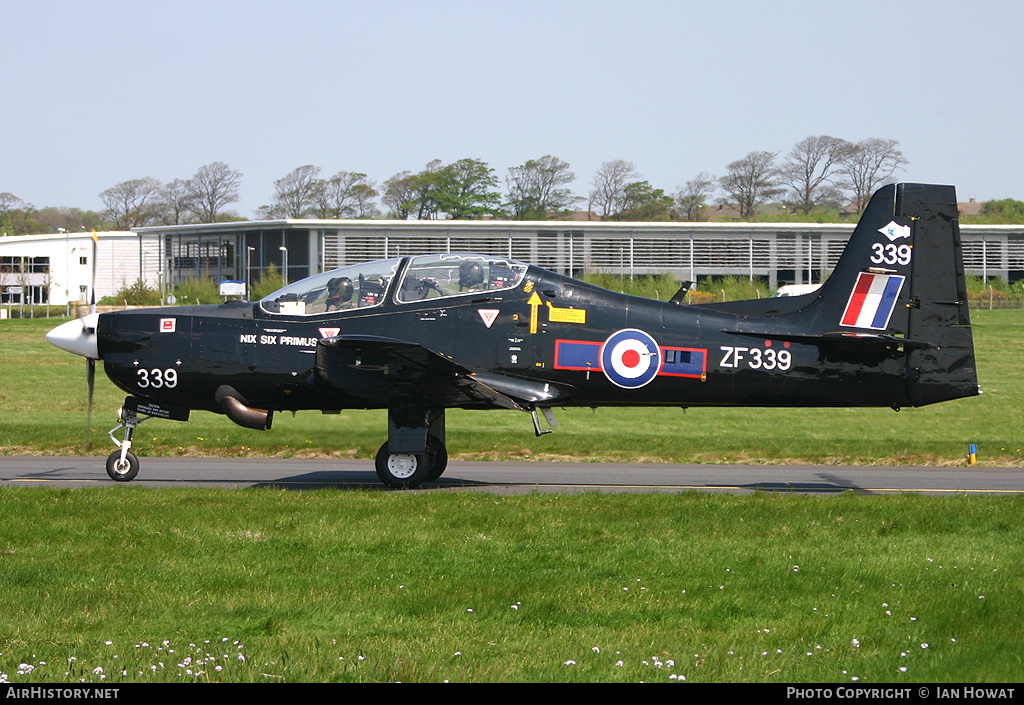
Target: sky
{"points": [[99, 92]]}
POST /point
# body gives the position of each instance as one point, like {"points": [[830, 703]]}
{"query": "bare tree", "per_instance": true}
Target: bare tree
{"points": [[212, 188], [295, 193], [8, 202], [610, 182], [868, 165], [752, 181], [344, 195], [692, 196], [174, 203], [811, 171], [130, 204]]}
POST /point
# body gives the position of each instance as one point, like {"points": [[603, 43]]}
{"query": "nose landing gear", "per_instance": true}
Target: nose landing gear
{"points": [[122, 464]]}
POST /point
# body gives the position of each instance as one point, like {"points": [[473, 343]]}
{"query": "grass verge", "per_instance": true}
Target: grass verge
{"points": [[133, 585]]}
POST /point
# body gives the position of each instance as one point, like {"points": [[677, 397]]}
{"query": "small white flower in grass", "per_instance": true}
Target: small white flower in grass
{"points": [[470, 609], [570, 662], [903, 669], [924, 646], [241, 657], [620, 664], [856, 643], [97, 671], [596, 650]]}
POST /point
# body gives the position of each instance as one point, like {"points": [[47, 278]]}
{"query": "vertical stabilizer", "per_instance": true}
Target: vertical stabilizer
{"points": [[901, 276]]}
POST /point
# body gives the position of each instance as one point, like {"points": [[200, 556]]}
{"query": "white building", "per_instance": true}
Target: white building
{"points": [[59, 268]]}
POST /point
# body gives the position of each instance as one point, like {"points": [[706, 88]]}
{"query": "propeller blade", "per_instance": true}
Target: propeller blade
{"points": [[92, 298], [90, 375]]}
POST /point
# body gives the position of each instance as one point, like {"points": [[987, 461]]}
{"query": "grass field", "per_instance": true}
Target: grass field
{"points": [[117, 584], [131, 584]]}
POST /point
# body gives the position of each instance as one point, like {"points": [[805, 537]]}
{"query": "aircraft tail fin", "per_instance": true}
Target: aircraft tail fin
{"points": [[898, 285], [900, 280]]}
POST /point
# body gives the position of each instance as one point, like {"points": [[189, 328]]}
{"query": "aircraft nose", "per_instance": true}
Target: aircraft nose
{"points": [[77, 336]]}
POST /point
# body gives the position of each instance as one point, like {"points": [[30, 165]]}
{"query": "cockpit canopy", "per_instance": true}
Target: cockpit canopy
{"points": [[424, 277]]}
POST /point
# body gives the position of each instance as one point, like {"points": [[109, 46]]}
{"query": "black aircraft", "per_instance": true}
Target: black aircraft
{"points": [[417, 335]]}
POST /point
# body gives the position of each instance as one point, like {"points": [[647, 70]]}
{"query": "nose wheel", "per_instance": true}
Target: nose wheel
{"points": [[122, 466]]}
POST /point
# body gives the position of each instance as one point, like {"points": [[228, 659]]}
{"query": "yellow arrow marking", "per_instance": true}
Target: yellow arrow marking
{"points": [[534, 303]]}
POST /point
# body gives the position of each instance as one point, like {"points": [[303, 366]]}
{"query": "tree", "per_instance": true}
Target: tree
{"points": [[539, 187], [811, 170], [212, 188], [422, 189], [868, 165], [8, 202], [130, 204], [609, 186], [1006, 210], [465, 190], [71, 219], [641, 201], [174, 203], [752, 181], [692, 196], [398, 195], [347, 194], [295, 194]]}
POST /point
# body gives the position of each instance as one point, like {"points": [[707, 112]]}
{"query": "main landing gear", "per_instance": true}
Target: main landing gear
{"points": [[415, 452]]}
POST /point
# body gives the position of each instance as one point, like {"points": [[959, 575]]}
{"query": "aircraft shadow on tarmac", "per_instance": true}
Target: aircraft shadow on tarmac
{"points": [[354, 480], [367, 480]]}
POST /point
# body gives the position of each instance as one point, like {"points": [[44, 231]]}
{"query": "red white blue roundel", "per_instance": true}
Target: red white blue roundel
{"points": [[630, 358]]}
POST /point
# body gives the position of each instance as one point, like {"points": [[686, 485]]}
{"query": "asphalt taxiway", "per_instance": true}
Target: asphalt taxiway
{"points": [[519, 476]]}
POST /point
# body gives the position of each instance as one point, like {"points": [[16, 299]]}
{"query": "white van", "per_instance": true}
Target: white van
{"points": [[796, 289]]}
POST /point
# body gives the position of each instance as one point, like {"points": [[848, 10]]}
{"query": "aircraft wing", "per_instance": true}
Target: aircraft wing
{"points": [[383, 371]]}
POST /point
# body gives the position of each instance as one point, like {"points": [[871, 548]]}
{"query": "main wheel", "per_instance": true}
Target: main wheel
{"points": [[403, 470], [122, 470], [440, 458]]}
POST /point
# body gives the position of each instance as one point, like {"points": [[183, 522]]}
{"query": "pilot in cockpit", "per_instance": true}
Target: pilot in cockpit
{"points": [[339, 293]]}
